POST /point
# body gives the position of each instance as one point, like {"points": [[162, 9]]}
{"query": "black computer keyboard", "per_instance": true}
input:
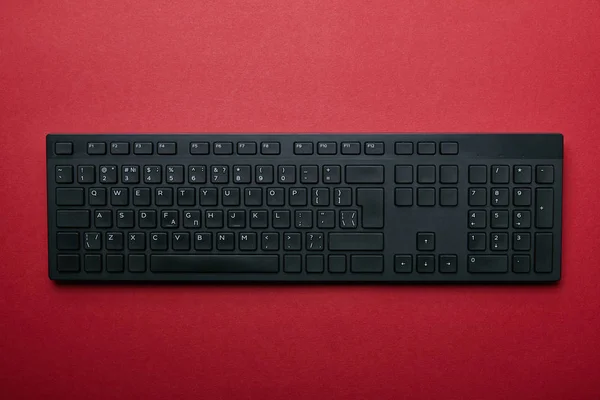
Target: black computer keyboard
{"points": [[305, 207]]}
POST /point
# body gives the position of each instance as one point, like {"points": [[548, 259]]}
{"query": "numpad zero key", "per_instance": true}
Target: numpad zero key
{"points": [[305, 207]]}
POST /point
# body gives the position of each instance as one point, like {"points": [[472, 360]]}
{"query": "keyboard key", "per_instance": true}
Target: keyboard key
{"points": [[158, 241], [372, 204], [332, 174], [225, 241], [69, 196], [314, 241], [115, 263], [521, 263], [522, 219], [426, 197], [477, 174], [350, 148], [167, 148], [522, 197], [426, 174], [403, 264], [217, 263], [203, 241], [499, 197], [253, 197], [119, 148], [292, 263], [208, 197], [270, 241], [448, 264], [522, 174], [174, 174], [63, 174], [73, 219], [476, 242], [270, 148], [364, 174], [67, 241], [326, 148], [264, 174], [246, 148], [403, 148], [544, 208], [143, 148], [500, 173], [93, 263], [477, 219], [67, 263], [292, 241], [449, 174], [247, 241], [403, 197], [180, 241], [521, 241], [374, 148], [425, 241], [448, 197], [136, 241], [315, 264], [63, 148], [219, 174], [449, 148], [499, 219], [348, 219], [366, 264], [96, 148], [108, 174], [130, 174], [425, 264], [544, 174], [196, 174], [309, 174], [336, 264], [199, 148], [97, 197], [136, 263], [499, 241], [286, 174], [426, 148], [403, 174], [477, 196], [303, 148], [152, 174], [356, 241], [242, 174], [487, 264]]}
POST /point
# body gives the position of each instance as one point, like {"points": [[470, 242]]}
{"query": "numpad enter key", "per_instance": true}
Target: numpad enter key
{"points": [[305, 207]]}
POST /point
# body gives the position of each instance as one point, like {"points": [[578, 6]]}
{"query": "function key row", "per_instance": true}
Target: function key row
{"points": [[265, 148]]}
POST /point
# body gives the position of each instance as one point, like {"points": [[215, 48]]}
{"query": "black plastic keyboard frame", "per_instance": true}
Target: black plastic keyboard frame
{"points": [[401, 224]]}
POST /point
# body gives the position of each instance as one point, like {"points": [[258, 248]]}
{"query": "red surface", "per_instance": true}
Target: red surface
{"points": [[272, 65]]}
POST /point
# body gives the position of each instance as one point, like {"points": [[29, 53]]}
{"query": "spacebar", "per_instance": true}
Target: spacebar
{"points": [[214, 263]]}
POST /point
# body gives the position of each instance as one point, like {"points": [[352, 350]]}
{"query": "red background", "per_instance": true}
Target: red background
{"points": [[293, 66]]}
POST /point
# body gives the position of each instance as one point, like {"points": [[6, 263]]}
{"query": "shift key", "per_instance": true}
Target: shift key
{"points": [[356, 241]]}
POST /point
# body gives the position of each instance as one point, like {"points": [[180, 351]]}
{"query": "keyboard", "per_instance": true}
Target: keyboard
{"points": [[305, 207]]}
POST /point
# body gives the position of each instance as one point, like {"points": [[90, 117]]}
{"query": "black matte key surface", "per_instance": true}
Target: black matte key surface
{"points": [[305, 207]]}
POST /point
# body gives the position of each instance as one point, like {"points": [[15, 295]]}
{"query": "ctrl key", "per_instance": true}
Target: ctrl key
{"points": [[487, 264], [67, 263]]}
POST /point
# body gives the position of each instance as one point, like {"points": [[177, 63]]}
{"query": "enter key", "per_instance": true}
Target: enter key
{"points": [[372, 204]]}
